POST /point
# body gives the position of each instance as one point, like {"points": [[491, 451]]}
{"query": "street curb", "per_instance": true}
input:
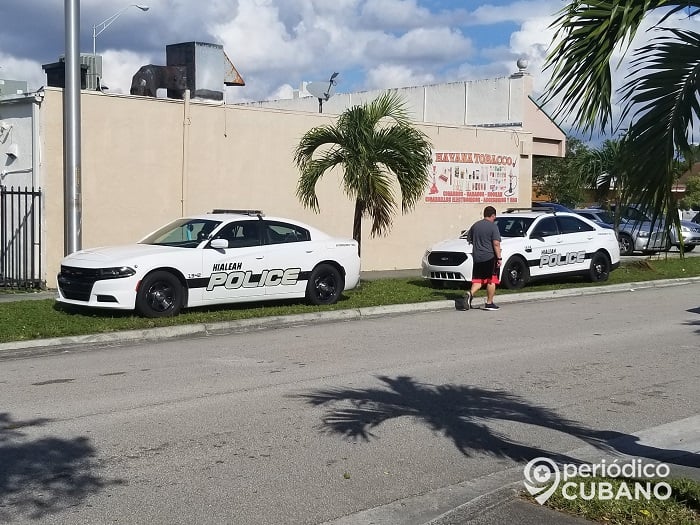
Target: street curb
{"points": [[489, 494], [259, 323]]}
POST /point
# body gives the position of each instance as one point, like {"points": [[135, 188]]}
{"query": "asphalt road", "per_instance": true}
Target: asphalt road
{"points": [[311, 423]]}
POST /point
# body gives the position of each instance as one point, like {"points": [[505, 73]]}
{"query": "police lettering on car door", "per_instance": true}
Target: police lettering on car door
{"points": [[551, 258], [233, 280]]}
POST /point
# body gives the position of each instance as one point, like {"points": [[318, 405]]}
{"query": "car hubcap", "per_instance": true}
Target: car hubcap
{"points": [[160, 297], [514, 275], [325, 288]]}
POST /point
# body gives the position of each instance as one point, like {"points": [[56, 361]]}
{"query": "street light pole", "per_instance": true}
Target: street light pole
{"points": [[72, 193], [108, 21]]}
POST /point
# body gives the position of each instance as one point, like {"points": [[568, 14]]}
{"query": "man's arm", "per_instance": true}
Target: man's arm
{"points": [[497, 248]]}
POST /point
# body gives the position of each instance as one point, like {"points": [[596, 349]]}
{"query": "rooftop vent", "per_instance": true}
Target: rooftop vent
{"points": [[202, 68]]}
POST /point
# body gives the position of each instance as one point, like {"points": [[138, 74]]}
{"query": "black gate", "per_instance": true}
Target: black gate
{"points": [[20, 238]]}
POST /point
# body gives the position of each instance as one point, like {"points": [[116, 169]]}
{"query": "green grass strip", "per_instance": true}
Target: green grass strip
{"points": [[682, 508], [39, 319]]}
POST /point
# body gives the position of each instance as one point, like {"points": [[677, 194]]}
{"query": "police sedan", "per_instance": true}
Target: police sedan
{"points": [[535, 243], [222, 257]]}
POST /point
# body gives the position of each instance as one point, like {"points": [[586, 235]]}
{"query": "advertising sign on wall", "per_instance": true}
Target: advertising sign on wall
{"points": [[473, 177]]}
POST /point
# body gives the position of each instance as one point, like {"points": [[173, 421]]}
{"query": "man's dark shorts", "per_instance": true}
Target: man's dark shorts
{"points": [[487, 272]]}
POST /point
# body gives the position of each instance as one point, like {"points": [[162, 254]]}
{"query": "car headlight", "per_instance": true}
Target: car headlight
{"points": [[427, 252], [116, 273], [643, 233], [685, 229]]}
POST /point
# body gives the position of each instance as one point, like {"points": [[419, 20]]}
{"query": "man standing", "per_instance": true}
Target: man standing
{"points": [[486, 254]]}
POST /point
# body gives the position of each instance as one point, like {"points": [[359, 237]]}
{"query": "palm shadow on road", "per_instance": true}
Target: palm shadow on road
{"points": [[43, 476], [462, 414], [695, 322]]}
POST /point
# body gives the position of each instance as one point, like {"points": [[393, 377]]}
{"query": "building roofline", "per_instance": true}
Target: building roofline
{"points": [[539, 106]]}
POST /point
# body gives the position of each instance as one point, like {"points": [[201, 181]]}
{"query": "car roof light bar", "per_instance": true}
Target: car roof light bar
{"points": [[545, 209], [259, 213]]}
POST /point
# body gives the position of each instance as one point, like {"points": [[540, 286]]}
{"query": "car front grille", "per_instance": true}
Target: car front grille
{"points": [[447, 258], [76, 283], [447, 276]]}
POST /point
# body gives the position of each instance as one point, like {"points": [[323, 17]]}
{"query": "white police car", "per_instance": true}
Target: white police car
{"points": [[535, 243], [222, 257]]}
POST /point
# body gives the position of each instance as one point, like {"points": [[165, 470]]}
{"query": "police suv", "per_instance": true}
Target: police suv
{"points": [[227, 256], [535, 243]]}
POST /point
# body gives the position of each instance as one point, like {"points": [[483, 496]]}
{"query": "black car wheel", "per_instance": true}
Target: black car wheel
{"points": [[689, 248], [626, 244], [160, 295], [325, 285], [600, 268], [515, 274]]}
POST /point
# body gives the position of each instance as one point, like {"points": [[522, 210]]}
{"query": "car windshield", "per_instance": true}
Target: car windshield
{"points": [[511, 226], [182, 233], [605, 216]]}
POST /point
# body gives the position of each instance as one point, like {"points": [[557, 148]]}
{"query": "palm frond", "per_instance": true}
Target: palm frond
{"points": [[588, 33], [662, 96]]}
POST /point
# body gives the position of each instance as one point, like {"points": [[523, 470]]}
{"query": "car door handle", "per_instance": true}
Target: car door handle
{"points": [[260, 257]]}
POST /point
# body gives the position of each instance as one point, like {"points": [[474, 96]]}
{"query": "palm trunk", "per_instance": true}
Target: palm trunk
{"points": [[357, 224]]}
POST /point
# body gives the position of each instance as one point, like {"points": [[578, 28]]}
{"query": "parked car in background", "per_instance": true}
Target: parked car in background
{"points": [[223, 257], [535, 243], [551, 205], [639, 227], [597, 214]]}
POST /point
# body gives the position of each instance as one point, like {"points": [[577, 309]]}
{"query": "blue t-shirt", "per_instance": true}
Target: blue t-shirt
{"points": [[482, 234]]}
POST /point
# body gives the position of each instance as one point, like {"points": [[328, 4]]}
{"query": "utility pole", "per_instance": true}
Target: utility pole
{"points": [[72, 197]]}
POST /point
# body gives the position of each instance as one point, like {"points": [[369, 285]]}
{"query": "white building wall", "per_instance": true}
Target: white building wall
{"points": [[17, 140], [474, 103]]}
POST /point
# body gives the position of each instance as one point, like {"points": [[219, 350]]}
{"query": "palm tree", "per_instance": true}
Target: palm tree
{"points": [[660, 96], [605, 169], [371, 143]]}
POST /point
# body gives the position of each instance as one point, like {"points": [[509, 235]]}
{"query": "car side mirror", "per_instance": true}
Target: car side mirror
{"points": [[219, 244]]}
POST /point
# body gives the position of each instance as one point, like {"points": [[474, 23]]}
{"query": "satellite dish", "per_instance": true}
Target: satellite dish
{"points": [[323, 90]]}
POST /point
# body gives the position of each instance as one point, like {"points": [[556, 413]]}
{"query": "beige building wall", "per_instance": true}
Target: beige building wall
{"points": [[147, 161]]}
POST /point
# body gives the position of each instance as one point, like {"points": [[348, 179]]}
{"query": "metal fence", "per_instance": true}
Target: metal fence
{"points": [[20, 238]]}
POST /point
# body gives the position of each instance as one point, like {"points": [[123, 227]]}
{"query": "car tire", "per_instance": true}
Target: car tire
{"points": [[626, 244], [600, 268], [515, 274], [325, 285], [160, 294], [687, 249]]}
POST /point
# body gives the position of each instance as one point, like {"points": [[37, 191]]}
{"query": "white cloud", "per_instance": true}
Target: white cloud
{"points": [[119, 67], [421, 45], [518, 12], [396, 76], [21, 69], [395, 14]]}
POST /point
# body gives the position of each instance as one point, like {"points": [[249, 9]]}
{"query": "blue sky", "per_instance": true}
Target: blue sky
{"points": [[277, 45]]}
